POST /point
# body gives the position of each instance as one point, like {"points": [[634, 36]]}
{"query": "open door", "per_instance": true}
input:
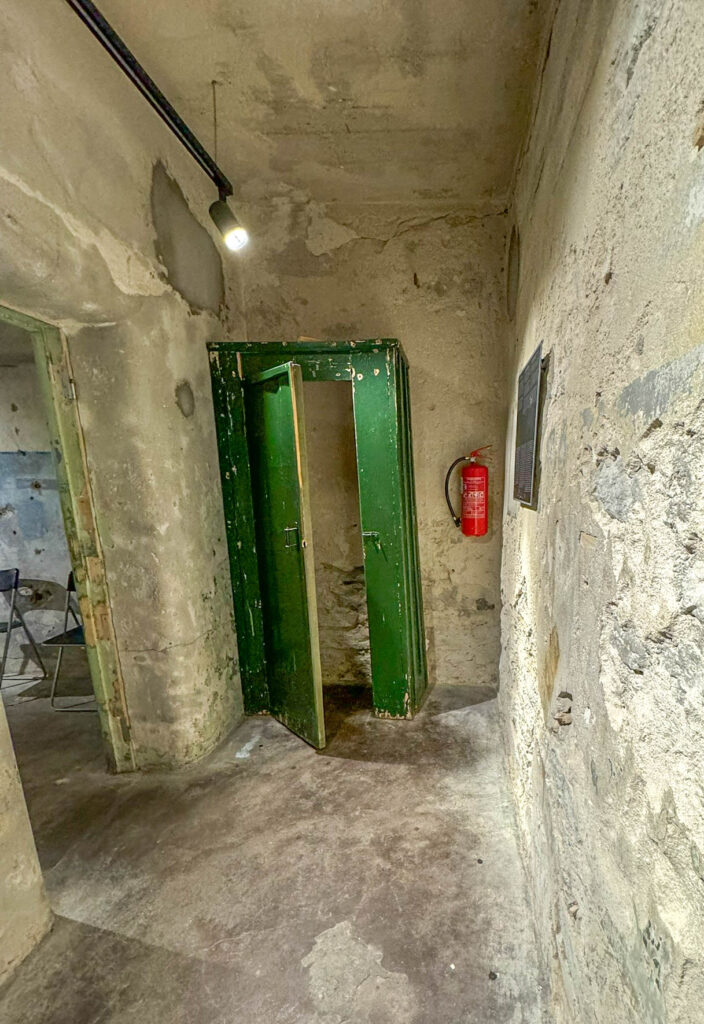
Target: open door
{"points": [[258, 409], [277, 457]]}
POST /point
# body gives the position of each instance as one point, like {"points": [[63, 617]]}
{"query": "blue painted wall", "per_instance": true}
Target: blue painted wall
{"points": [[32, 535]]}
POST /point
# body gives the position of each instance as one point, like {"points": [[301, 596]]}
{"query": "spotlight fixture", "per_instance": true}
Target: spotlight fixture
{"points": [[233, 234]]}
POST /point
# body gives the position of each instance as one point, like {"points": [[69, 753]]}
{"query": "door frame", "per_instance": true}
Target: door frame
{"points": [[56, 382], [378, 371]]}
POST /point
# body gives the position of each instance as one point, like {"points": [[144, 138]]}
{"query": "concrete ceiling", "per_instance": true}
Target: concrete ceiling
{"points": [[349, 100]]}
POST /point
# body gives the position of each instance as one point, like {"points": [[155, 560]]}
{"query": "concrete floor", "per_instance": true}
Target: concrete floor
{"points": [[377, 882]]}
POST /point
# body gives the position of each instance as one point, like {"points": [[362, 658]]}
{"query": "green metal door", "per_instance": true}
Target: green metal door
{"points": [[379, 374], [277, 458]]}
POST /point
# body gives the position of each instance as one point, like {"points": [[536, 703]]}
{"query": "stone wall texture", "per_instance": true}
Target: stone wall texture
{"points": [[343, 623], [603, 585]]}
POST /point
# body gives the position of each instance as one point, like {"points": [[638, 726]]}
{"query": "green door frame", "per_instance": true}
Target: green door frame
{"points": [[379, 374], [53, 363]]}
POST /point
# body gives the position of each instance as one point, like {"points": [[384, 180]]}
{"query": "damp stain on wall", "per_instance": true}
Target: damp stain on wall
{"points": [[190, 257]]}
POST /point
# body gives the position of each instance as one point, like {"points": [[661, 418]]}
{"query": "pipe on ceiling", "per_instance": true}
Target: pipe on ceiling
{"points": [[125, 59]]}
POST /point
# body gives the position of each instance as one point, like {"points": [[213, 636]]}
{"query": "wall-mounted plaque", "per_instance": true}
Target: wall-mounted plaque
{"points": [[527, 429]]}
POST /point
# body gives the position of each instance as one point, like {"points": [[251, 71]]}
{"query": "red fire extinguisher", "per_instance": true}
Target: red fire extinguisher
{"points": [[475, 494]]}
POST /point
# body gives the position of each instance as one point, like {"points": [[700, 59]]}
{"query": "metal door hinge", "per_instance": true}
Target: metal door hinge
{"points": [[291, 542], [68, 386]]}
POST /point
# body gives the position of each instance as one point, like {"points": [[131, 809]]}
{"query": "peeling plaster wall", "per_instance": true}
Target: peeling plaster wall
{"points": [[24, 908], [432, 279], [603, 587], [87, 173]]}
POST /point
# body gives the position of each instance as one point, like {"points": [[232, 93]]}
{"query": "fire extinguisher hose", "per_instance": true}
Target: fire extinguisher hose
{"points": [[463, 458]]}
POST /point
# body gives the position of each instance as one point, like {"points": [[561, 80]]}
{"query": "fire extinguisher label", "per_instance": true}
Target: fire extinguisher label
{"points": [[474, 504], [475, 490]]}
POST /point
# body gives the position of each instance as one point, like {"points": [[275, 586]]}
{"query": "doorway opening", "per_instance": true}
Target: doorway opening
{"points": [[54, 602], [343, 620], [263, 439], [35, 564]]}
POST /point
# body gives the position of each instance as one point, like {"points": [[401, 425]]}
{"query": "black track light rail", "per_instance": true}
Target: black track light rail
{"points": [[124, 58]]}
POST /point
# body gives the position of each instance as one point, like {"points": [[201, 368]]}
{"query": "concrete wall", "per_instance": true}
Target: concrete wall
{"points": [[103, 235], [603, 587], [337, 541], [24, 909], [22, 421], [433, 279]]}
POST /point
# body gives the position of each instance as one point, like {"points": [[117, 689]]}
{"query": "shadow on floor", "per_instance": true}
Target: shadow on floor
{"points": [[130, 981], [74, 679], [353, 731]]}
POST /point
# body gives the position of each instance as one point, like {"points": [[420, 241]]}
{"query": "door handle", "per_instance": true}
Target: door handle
{"points": [[290, 542]]}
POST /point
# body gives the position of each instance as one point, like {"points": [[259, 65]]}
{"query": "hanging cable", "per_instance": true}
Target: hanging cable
{"points": [[463, 458]]}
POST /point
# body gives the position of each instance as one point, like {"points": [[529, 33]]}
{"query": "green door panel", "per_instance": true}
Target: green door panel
{"points": [[284, 543], [228, 401]]}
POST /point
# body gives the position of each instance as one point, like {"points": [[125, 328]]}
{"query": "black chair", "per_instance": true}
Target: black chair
{"points": [[74, 637], [9, 582]]}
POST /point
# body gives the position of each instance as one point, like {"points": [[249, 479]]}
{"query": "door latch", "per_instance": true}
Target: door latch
{"points": [[289, 541]]}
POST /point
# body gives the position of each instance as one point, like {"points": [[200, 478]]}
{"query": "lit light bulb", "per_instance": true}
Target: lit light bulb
{"points": [[236, 239], [233, 234]]}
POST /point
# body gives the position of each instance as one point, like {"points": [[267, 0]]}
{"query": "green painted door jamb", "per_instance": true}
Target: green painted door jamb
{"points": [[236, 480]]}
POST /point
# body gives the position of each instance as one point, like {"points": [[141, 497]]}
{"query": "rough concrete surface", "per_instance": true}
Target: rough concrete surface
{"points": [[377, 882], [601, 681], [24, 908]]}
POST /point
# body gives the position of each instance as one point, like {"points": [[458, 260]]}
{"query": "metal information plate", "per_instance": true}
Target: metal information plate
{"points": [[527, 429]]}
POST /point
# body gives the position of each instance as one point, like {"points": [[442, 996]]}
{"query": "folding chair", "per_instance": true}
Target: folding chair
{"points": [[9, 582], [74, 637]]}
